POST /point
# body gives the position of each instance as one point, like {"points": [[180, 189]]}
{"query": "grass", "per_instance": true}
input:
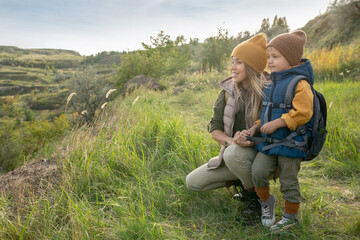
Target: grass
{"points": [[340, 60], [343, 142], [124, 177]]}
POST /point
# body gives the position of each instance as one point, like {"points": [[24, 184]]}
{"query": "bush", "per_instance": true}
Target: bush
{"points": [[10, 147], [39, 133], [88, 93]]}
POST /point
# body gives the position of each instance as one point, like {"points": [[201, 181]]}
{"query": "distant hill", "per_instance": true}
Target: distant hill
{"points": [[340, 24], [39, 51], [39, 58]]}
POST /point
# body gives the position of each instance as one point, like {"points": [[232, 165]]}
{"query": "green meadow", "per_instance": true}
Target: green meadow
{"points": [[124, 177], [119, 172]]}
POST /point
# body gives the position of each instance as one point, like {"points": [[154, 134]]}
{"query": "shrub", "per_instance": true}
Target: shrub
{"points": [[10, 147], [39, 133], [88, 92]]}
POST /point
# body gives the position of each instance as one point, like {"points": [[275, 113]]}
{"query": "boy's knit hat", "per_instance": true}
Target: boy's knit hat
{"points": [[253, 52], [290, 45]]}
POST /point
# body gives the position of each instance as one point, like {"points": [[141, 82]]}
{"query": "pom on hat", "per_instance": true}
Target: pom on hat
{"points": [[253, 52], [290, 45]]}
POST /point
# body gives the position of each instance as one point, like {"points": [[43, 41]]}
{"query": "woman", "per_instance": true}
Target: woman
{"points": [[237, 107]]}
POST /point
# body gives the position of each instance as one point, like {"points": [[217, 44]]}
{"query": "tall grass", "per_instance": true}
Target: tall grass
{"points": [[341, 155], [124, 178], [339, 61]]}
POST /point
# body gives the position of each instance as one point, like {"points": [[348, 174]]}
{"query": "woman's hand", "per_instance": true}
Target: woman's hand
{"points": [[240, 138]]}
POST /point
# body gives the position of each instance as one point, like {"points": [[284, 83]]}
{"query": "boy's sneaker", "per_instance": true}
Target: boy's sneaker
{"points": [[268, 211], [287, 221]]}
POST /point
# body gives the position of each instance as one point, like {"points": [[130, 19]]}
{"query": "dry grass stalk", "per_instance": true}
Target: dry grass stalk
{"points": [[137, 98], [109, 92], [69, 98], [103, 106]]}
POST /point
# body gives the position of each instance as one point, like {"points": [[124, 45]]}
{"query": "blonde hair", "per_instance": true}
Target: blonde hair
{"points": [[253, 103]]}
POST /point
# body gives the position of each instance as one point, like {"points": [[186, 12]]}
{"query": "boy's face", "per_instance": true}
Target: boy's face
{"points": [[276, 61]]}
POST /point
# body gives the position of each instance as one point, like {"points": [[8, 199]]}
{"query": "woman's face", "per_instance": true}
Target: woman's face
{"points": [[238, 72]]}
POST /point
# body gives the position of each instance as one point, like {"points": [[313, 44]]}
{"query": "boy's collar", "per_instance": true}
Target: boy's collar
{"points": [[302, 61]]}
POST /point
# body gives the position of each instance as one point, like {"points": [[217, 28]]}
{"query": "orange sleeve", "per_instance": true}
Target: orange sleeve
{"points": [[303, 106]]}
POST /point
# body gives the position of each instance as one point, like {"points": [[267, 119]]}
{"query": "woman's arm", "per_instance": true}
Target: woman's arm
{"points": [[222, 138]]}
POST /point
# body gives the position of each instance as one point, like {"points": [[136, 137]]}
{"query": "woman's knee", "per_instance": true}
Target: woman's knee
{"points": [[229, 154], [235, 155], [191, 183]]}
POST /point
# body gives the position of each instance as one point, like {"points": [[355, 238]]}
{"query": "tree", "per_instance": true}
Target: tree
{"points": [[279, 25], [160, 58], [216, 50], [265, 25]]}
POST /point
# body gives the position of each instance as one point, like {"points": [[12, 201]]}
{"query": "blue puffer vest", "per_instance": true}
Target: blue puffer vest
{"points": [[275, 92]]}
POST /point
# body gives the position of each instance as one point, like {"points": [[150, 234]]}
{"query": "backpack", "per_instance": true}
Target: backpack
{"points": [[318, 132], [316, 140]]}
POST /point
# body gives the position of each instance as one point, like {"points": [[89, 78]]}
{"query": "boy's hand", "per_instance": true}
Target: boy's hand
{"points": [[270, 127]]}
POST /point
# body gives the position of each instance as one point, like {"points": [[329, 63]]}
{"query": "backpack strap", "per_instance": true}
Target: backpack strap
{"points": [[290, 91], [277, 105], [288, 141]]}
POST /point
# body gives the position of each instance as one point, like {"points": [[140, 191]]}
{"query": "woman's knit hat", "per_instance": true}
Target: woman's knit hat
{"points": [[290, 45], [253, 52]]}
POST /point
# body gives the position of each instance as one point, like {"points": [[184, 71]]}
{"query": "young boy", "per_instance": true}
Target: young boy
{"points": [[279, 122]]}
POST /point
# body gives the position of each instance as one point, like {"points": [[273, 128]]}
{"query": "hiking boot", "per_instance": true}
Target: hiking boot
{"points": [[252, 212], [240, 193], [268, 211], [286, 222]]}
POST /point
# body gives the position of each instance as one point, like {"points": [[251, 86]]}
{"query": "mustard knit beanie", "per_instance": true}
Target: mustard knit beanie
{"points": [[290, 45], [253, 52]]}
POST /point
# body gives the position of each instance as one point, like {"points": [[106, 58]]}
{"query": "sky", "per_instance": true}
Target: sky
{"points": [[93, 26]]}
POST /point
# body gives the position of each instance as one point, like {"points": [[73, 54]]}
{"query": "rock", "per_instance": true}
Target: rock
{"points": [[178, 90], [141, 81]]}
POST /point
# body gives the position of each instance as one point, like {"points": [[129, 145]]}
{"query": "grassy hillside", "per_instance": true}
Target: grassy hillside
{"points": [[23, 71], [340, 24], [124, 178]]}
